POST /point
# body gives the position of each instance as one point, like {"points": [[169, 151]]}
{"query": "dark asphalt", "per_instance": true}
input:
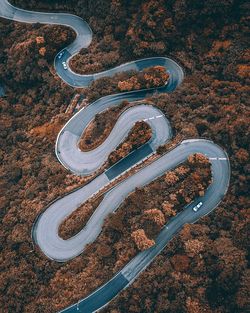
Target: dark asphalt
{"points": [[129, 161], [73, 129], [97, 300]]}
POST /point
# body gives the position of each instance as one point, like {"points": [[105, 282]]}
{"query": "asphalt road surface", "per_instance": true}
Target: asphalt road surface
{"points": [[45, 229], [84, 163]]}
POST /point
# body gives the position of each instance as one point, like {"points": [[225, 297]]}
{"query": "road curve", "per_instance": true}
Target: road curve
{"points": [[45, 229], [84, 163]]}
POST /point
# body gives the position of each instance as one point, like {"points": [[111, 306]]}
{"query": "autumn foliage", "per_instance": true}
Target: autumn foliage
{"points": [[100, 127], [149, 78], [141, 240], [138, 135], [205, 267]]}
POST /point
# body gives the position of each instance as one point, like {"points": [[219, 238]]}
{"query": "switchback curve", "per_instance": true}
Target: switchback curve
{"points": [[45, 230]]}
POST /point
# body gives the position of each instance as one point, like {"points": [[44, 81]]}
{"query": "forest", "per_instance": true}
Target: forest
{"points": [[205, 268], [170, 192]]}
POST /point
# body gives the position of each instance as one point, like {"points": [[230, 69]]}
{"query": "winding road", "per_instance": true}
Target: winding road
{"points": [[45, 230]]}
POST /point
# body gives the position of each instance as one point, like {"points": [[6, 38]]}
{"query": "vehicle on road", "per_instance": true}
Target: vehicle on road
{"points": [[60, 54], [45, 229], [196, 208], [65, 65]]}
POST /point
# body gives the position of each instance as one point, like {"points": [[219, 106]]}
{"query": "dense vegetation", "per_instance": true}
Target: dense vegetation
{"points": [[205, 267]]}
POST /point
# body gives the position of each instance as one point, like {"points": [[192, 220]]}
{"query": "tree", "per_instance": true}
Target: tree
{"points": [[141, 240]]}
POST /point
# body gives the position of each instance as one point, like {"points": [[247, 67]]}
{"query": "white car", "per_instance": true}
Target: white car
{"points": [[65, 65], [196, 208], [60, 55]]}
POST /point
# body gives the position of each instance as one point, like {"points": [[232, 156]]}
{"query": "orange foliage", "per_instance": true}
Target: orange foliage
{"points": [[49, 130], [42, 51], [40, 40], [141, 240], [219, 47], [180, 262], [243, 70], [154, 215]]}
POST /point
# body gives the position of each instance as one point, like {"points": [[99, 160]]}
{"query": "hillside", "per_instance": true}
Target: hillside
{"points": [[205, 267]]}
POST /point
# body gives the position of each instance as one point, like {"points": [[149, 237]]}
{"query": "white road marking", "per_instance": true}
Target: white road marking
{"points": [[219, 159], [152, 118]]}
